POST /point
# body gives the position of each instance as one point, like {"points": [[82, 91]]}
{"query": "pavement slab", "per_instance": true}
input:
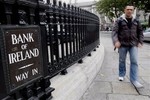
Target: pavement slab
{"points": [[123, 88], [100, 87], [94, 96], [106, 86], [109, 78], [127, 97]]}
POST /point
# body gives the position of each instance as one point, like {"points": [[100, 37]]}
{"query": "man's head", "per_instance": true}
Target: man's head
{"points": [[129, 9]]}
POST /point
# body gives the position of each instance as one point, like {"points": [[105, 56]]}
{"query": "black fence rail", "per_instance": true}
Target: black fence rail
{"points": [[65, 35]]}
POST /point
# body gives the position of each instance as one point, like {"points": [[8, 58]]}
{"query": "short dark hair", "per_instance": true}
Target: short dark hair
{"points": [[130, 4]]}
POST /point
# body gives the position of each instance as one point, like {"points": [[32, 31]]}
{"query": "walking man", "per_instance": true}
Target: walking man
{"points": [[127, 36]]}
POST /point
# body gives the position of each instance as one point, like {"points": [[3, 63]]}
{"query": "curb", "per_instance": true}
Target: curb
{"points": [[73, 85]]}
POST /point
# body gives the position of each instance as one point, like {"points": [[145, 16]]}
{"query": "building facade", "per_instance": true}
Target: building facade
{"points": [[91, 6]]}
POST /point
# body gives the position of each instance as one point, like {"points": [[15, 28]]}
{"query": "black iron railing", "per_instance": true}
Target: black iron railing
{"points": [[68, 33]]}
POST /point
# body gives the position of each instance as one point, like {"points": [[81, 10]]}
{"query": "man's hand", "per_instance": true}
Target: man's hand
{"points": [[140, 45], [117, 44]]}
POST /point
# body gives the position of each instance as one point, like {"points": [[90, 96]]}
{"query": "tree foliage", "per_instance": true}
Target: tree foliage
{"points": [[142, 4], [114, 8]]}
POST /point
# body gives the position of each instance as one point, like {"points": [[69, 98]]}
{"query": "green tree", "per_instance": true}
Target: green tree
{"points": [[111, 8], [114, 8], [142, 4]]}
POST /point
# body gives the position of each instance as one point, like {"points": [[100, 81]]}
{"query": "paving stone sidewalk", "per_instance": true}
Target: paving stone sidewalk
{"points": [[106, 85]]}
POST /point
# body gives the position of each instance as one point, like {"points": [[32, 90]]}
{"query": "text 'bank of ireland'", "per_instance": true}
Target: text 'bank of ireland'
{"points": [[24, 57], [24, 54]]}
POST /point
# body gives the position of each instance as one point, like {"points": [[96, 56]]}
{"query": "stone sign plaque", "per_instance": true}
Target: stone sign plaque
{"points": [[23, 55]]}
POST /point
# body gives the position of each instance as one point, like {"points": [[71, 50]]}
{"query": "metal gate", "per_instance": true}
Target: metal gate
{"points": [[38, 41]]}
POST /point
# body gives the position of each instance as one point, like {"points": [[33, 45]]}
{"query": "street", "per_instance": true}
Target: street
{"points": [[106, 85]]}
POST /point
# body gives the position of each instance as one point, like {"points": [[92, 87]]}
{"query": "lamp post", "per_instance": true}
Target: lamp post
{"points": [[145, 17], [75, 2], [70, 2], [149, 15]]}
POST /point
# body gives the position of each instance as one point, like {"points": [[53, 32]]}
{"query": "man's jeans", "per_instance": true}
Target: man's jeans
{"points": [[133, 51]]}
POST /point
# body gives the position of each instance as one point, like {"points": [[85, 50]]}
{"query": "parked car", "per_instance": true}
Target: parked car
{"points": [[147, 34]]}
